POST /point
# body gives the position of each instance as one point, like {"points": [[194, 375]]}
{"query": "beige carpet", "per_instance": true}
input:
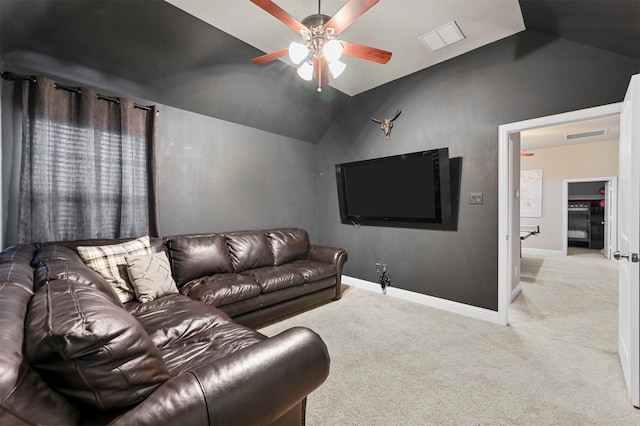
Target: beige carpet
{"points": [[394, 362]]}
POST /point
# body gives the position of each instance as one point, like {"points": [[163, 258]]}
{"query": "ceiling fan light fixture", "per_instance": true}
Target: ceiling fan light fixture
{"points": [[305, 71], [319, 48], [297, 52], [336, 68], [332, 50]]}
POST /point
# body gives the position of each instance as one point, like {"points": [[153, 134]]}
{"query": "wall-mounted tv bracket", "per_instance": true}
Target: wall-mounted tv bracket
{"points": [[383, 278]]}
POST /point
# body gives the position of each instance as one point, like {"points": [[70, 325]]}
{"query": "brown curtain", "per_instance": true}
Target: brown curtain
{"points": [[88, 165]]}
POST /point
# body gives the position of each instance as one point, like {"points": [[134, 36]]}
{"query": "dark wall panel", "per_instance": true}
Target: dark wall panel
{"points": [[213, 175], [220, 176], [459, 104], [165, 55]]}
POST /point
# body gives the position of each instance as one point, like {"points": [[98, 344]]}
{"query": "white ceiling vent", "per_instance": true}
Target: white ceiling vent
{"points": [[586, 134], [443, 36]]}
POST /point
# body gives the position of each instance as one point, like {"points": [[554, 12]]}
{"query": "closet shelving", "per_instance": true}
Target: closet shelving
{"points": [[586, 217]]}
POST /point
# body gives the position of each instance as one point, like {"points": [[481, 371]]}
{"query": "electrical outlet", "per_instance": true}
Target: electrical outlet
{"points": [[475, 198], [381, 267]]}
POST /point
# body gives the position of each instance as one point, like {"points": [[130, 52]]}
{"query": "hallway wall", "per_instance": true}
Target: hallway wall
{"points": [[583, 161]]}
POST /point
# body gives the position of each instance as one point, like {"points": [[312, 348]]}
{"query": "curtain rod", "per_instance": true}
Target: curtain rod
{"points": [[10, 76]]}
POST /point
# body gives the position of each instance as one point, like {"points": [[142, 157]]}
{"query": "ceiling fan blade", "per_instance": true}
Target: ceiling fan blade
{"points": [[524, 153], [349, 13], [275, 10], [321, 68], [365, 52], [270, 56]]}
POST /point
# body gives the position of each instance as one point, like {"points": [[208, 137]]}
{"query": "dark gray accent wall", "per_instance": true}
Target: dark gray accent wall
{"points": [[213, 175], [216, 174], [612, 25], [459, 104], [219, 176], [155, 51]]}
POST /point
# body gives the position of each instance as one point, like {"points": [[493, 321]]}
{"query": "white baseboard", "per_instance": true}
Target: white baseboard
{"points": [[541, 252], [423, 299], [516, 291]]}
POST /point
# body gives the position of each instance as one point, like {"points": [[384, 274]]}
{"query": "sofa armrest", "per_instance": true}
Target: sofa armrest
{"points": [[333, 255], [255, 385]]}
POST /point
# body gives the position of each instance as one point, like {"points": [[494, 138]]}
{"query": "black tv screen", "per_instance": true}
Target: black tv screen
{"points": [[402, 189]]}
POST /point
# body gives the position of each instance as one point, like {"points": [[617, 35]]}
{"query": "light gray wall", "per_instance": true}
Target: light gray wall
{"points": [[595, 160], [459, 104]]}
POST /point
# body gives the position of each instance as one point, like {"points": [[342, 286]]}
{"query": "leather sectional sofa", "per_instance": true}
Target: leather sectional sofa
{"points": [[71, 352]]}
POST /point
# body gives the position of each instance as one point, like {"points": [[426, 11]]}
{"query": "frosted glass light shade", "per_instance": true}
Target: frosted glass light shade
{"points": [[332, 50], [297, 52], [336, 68], [306, 71]]}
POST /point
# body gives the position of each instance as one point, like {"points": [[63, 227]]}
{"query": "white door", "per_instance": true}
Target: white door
{"points": [[628, 240]]}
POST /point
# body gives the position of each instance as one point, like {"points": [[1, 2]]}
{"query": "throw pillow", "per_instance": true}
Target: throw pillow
{"points": [[150, 275], [110, 262]]}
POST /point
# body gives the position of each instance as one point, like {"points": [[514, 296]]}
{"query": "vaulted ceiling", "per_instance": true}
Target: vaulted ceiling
{"points": [[397, 26], [156, 51], [394, 26]]}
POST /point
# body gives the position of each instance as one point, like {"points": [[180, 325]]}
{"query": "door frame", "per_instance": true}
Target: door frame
{"points": [[611, 210], [508, 243]]}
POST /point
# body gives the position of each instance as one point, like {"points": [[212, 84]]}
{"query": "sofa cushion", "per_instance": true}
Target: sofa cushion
{"points": [[221, 289], [90, 349], [15, 264], [26, 397], [249, 250], [53, 262], [208, 346], [313, 270], [194, 334], [186, 319], [288, 245], [150, 275], [273, 278], [54, 252], [195, 256], [109, 261]]}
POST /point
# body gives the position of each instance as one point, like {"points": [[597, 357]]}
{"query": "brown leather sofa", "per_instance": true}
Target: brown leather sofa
{"points": [[72, 353], [256, 276]]}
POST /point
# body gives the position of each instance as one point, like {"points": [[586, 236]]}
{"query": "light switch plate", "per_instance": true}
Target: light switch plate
{"points": [[475, 198]]}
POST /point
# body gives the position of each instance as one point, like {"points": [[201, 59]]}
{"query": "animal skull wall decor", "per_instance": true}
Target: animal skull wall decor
{"points": [[387, 123]]}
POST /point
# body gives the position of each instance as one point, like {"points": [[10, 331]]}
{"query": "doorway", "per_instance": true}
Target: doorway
{"points": [[509, 192], [591, 212]]}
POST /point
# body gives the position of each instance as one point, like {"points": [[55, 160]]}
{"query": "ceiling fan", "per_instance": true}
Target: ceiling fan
{"points": [[320, 51], [524, 153]]}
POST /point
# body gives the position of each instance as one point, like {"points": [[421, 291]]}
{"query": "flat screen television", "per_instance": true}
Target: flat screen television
{"points": [[408, 190]]}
